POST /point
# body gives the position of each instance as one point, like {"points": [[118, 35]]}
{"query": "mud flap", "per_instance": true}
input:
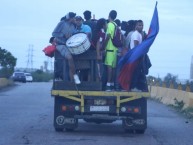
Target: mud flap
{"points": [[65, 122]]}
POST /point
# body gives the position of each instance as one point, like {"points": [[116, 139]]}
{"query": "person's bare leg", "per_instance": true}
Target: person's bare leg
{"points": [[72, 71], [71, 67]]}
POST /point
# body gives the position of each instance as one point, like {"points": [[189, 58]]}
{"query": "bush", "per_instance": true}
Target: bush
{"points": [[6, 72], [40, 76]]}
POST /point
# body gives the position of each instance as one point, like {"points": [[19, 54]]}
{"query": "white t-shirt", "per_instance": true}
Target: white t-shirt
{"points": [[128, 39], [135, 36]]}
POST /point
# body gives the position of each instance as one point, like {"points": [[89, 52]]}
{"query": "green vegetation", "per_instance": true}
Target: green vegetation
{"points": [[169, 79], [7, 63], [178, 104], [172, 79], [40, 76], [188, 112]]}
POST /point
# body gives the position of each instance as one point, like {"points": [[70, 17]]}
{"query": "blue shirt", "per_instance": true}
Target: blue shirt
{"points": [[84, 29]]}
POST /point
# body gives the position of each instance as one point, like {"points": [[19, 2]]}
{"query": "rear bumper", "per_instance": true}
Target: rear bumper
{"points": [[72, 105], [121, 99]]}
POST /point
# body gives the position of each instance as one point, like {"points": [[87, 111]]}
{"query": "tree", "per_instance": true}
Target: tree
{"points": [[7, 63], [151, 80], [169, 78]]}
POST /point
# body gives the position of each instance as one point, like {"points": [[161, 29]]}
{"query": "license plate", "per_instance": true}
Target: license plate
{"points": [[69, 120], [100, 102], [99, 108]]}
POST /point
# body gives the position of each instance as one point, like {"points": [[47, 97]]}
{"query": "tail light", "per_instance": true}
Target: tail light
{"points": [[130, 109], [70, 108], [136, 110], [64, 108]]}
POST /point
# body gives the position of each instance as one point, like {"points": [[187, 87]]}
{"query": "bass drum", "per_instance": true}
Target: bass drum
{"points": [[78, 43]]}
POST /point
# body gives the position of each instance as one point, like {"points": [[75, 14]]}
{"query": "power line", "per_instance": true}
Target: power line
{"points": [[30, 57]]}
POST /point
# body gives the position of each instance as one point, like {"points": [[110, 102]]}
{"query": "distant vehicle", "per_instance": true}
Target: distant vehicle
{"points": [[19, 77], [28, 77]]}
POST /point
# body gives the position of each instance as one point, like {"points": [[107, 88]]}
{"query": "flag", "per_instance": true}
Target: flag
{"points": [[130, 60]]}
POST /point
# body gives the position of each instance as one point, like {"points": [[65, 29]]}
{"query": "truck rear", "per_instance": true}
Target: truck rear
{"points": [[89, 101]]}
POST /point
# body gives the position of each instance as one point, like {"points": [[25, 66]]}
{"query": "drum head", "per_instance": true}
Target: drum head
{"points": [[78, 43], [76, 40]]}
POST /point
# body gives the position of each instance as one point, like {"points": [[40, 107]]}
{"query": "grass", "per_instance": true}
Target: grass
{"points": [[187, 112]]}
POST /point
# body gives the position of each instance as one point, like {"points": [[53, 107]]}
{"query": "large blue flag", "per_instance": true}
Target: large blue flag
{"points": [[130, 60]]}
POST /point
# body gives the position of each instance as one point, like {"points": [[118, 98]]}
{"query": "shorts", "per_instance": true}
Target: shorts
{"points": [[111, 58], [64, 51]]}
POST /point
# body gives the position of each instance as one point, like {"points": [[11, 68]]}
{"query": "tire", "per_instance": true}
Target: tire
{"points": [[69, 129], [140, 131], [129, 131], [59, 129]]}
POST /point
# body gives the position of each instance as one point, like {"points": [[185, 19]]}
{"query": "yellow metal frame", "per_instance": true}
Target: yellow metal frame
{"points": [[73, 96]]}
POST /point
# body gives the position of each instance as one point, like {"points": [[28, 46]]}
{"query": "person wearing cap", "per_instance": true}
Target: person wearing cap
{"points": [[64, 29], [80, 27]]}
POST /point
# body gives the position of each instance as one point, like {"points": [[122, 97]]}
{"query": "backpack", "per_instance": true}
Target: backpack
{"points": [[117, 39]]}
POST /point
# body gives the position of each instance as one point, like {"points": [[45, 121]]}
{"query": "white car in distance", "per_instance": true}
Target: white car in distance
{"points": [[28, 77]]}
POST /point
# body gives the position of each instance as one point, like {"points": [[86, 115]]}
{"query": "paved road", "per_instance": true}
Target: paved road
{"points": [[26, 117]]}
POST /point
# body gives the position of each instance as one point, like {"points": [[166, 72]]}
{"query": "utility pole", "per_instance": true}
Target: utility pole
{"points": [[30, 58], [46, 66], [49, 64]]}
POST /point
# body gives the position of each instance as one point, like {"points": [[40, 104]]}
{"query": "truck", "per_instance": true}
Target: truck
{"points": [[90, 102]]}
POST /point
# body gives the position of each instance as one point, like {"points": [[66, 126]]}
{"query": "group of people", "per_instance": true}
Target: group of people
{"points": [[100, 33]]}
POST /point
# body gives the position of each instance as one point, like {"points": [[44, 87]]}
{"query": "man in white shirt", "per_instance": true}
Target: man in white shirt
{"points": [[136, 37]]}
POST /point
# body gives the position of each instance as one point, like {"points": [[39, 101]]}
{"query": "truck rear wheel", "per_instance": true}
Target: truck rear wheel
{"points": [[69, 129], [129, 130], [59, 129], [140, 131]]}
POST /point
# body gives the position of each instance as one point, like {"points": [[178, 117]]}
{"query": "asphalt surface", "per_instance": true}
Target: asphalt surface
{"points": [[26, 117]]}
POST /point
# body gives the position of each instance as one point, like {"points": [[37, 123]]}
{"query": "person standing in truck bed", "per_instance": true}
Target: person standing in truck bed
{"points": [[111, 52], [92, 23], [99, 39], [83, 28]]}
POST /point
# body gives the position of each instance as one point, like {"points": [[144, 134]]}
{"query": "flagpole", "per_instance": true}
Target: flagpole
{"points": [[129, 61]]}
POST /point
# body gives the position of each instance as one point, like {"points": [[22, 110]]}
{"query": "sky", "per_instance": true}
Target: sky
{"points": [[27, 25]]}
